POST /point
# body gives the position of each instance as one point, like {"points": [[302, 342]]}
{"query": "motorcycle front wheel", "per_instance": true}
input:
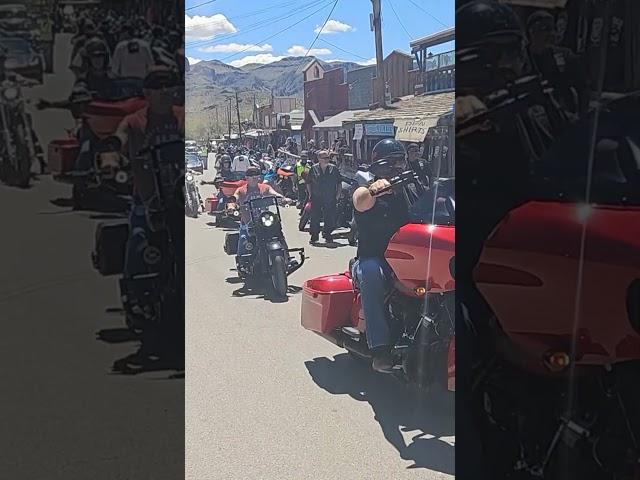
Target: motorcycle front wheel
{"points": [[279, 276]]}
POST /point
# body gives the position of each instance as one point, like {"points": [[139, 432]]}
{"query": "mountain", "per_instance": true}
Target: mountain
{"points": [[210, 82]]}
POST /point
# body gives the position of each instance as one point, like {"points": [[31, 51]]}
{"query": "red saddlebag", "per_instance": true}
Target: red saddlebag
{"points": [[327, 303], [61, 155]]}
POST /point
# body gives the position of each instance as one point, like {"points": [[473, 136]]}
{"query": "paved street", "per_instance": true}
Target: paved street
{"points": [[266, 399], [66, 414]]}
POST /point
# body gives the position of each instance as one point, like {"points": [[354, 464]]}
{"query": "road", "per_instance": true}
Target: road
{"points": [[66, 412], [266, 399]]}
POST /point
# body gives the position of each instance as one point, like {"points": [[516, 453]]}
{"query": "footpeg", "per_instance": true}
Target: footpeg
{"points": [[354, 333]]}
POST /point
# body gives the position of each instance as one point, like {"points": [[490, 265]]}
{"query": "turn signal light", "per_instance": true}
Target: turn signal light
{"points": [[558, 361], [420, 291]]}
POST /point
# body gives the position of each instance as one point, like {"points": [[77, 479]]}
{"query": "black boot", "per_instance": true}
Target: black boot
{"points": [[382, 359]]}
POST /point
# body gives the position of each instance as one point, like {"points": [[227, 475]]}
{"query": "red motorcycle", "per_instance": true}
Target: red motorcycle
{"points": [[555, 378], [421, 302]]}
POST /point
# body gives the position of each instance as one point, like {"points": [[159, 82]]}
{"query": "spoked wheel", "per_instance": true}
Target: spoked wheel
{"points": [[279, 276]]}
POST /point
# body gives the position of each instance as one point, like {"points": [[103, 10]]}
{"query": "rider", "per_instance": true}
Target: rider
{"points": [[159, 119], [378, 215], [253, 189], [302, 174], [132, 57]]}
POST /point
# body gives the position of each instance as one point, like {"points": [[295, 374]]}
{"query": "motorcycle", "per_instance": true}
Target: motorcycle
{"points": [[20, 145], [284, 181], [556, 385], [267, 253], [98, 182], [192, 198], [421, 302], [227, 187], [156, 298]]}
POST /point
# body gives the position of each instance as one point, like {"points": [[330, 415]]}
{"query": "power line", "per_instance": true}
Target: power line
{"points": [[430, 14], [257, 26], [275, 34], [399, 21], [343, 50], [200, 5], [321, 28]]}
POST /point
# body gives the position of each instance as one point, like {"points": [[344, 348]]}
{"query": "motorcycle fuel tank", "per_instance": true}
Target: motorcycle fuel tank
{"points": [[532, 259], [420, 256]]}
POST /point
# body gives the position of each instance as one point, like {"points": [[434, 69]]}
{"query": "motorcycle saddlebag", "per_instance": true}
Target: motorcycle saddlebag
{"points": [[326, 303], [231, 243], [104, 117], [110, 246], [210, 204], [61, 155], [229, 188]]}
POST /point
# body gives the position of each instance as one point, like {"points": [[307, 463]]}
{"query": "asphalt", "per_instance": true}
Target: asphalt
{"points": [[67, 410], [267, 399]]}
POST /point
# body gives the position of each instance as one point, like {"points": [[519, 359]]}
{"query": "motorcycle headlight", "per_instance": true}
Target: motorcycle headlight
{"points": [[236, 213], [189, 177], [121, 177], [268, 219], [10, 93], [248, 246]]}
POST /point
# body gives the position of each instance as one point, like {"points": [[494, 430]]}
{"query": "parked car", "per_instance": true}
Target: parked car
{"points": [[22, 58], [194, 162]]}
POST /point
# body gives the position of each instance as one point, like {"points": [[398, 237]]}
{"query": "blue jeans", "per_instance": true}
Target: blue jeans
{"points": [[244, 236], [372, 277], [138, 234]]}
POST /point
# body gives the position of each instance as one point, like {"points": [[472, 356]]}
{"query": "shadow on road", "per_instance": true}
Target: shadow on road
{"points": [[259, 290], [397, 409], [152, 354]]}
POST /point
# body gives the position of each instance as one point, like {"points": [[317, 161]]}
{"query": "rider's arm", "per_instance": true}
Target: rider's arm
{"points": [[363, 200], [271, 191]]}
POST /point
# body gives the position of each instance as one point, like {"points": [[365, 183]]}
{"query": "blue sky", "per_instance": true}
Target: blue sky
{"points": [[238, 32]]}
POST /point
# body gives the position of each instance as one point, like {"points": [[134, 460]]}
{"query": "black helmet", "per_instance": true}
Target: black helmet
{"points": [[96, 47], [388, 158], [484, 20], [388, 148]]}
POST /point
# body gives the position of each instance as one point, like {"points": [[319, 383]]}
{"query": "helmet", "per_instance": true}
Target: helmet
{"points": [[96, 47], [388, 158], [388, 148], [485, 19]]}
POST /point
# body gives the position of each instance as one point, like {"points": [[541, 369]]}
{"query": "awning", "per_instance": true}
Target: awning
{"points": [[414, 130], [314, 117]]}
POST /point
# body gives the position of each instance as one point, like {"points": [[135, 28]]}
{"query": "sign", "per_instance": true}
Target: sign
{"points": [[357, 134], [379, 129], [412, 130]]}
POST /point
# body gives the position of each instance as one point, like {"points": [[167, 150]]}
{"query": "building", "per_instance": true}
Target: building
{"points": [[435, 73], [400, 77], [424, 119], [360, 83], [325, 94], [337, 126], [267, 116]]}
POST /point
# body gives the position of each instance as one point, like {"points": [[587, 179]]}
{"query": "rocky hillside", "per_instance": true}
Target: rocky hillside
{"points": [[210, 81]]}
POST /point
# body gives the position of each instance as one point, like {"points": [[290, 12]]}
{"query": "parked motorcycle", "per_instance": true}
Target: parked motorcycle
{"points": [[267, 253], [20, 145], [421, 303], [192, 199], [556, 368]]}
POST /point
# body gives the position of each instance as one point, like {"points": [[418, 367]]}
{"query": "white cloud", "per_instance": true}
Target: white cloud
{"points": [[259, 58], [205, 28], [299, 50], [371, 61], [236, 47], [193, 61], [334, 26]]}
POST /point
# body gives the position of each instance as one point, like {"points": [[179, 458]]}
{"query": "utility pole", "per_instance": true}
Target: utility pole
{"points": [[254, 110], [376, 26], [238, 112], [217, 123]]}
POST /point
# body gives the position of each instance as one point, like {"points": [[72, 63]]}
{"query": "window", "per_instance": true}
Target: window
{"points": [[317, 72]]}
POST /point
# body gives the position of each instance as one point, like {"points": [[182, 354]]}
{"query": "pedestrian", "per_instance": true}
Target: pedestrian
{"points": [[419, 165], [324, 188], [302, 174], [133, 57]]}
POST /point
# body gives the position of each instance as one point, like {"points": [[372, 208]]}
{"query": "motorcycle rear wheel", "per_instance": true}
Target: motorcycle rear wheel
{"points": [[304, 220]]}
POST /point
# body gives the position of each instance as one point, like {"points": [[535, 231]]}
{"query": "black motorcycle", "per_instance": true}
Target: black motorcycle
{"points": [[267, 254], [20, 145]]}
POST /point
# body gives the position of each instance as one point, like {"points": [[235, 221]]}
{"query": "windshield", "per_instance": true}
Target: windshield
{"points": [[16, 46], [435, 206], [192, 160]]}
